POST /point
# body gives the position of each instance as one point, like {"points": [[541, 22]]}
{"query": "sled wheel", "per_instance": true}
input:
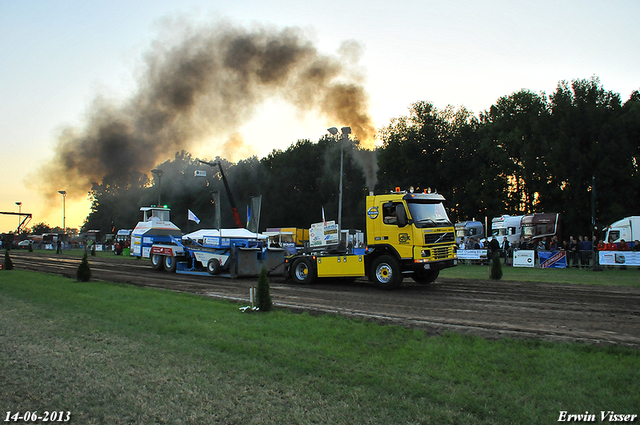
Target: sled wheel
{"points": [[213, 266], [169, 263], [156, 261]]}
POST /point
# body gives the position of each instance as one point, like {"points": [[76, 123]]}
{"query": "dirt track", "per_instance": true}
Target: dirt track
{"points": [[491, 309]]}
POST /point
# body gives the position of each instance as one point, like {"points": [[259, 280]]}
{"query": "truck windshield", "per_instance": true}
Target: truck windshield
{"points": [[428, 214], [528, 231]]}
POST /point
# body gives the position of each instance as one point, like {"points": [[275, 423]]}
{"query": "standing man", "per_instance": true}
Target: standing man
{"points": [[505, 249]]}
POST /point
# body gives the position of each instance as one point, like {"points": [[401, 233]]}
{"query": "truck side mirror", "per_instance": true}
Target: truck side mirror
{"points": [[401, 214]]}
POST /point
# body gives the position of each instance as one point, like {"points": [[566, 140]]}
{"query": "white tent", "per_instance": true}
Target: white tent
{"points": [[225, 233]]}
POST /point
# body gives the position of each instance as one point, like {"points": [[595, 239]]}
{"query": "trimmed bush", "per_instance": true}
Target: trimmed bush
{"points": [[84, 271], [264, 295], [8, 264], [496, 267]]}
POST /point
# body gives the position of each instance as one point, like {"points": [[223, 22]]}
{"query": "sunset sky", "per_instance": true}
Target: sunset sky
{"points": [[58, 57]]}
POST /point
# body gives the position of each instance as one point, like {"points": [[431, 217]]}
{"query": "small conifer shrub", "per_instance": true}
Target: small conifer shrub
{"points": [[496, 267], [8, 264], [264, 295], [84, 271]]}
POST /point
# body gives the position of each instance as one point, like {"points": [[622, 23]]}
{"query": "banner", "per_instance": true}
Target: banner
{"points": [[253, 218], [619, 258], [472, 254], [323, 234], [553, 259], [524, 258]]}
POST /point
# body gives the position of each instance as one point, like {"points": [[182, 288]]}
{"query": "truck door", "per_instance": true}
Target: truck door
{"points": [[394, 229]]}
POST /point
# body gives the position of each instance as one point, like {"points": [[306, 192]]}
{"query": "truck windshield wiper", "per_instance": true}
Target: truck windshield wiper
{"points": [[425, 220]]}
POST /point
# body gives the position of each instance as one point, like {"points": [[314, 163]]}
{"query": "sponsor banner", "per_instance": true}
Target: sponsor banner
{"points": [[323, 234], [619, 258], [553, 259], [472, 254], [524, 258], [161, 250]]}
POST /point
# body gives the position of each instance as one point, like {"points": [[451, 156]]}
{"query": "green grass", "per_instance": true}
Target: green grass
{"points": [[608, 276], [118, 354]]}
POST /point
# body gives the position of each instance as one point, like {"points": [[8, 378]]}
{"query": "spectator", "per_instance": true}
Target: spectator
{"points": [[505, 249], [573, 252], [610, 246], [494, 247], [585, 252], [623, 246], [524, 243], [636, 245]]}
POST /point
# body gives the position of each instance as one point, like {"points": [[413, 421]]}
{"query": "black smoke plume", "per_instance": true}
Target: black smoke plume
{"points": [[206, 81]]}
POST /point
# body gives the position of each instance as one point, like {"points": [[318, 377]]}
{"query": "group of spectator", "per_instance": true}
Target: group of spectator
{"points": [[579, 252]]}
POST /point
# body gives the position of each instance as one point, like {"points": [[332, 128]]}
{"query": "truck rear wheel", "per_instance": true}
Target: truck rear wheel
{"points": [[213, 266], [303, 271], [386, 272], [169, 263], [156, 261]]}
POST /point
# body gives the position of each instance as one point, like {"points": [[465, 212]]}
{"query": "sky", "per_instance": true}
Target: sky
{"points": [[57, 57]]}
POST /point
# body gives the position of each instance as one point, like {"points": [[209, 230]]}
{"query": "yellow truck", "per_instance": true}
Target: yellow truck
{"points": [[407, 234]]}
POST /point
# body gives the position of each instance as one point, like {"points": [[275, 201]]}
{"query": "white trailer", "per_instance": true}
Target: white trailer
{"points": [[628, 229], [509, 226]]}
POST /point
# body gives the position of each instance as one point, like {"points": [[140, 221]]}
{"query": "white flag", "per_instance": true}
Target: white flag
{"points": [[323, 219], [193, 217]]}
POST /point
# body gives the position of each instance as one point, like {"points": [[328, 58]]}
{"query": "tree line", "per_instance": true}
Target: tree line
{"points": [[529, 152]]}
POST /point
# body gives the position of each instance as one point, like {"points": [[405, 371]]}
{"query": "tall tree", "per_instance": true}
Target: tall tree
{"points": [[514, 135], [588, 142]]}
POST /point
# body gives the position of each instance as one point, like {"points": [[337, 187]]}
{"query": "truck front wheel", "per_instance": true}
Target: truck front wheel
{"points": [[156, 262], [303, 271], [386, 272], [425, 276]]}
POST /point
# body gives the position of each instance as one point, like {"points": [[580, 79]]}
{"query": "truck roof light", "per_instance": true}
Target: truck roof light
{"points": [[397, 188]]}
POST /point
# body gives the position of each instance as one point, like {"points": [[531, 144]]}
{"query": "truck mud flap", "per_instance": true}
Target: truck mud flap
{"points": [[248, 262]]}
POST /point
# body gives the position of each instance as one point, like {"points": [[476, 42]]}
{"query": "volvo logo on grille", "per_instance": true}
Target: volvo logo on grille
{"points": [[373, 213]]}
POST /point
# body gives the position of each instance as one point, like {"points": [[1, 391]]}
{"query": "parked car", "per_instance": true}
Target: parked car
{"points": [[24, 244]]}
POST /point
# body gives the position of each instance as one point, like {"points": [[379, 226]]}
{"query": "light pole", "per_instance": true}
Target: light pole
{"points": [[345, 136], [19, 204], [158, 172], [64, 202]]}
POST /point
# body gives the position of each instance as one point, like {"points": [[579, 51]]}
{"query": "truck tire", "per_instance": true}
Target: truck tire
{"points": [[386, 272], [214, 267], [303, 271], [156, 261], [425, 277], [169, 262]]}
